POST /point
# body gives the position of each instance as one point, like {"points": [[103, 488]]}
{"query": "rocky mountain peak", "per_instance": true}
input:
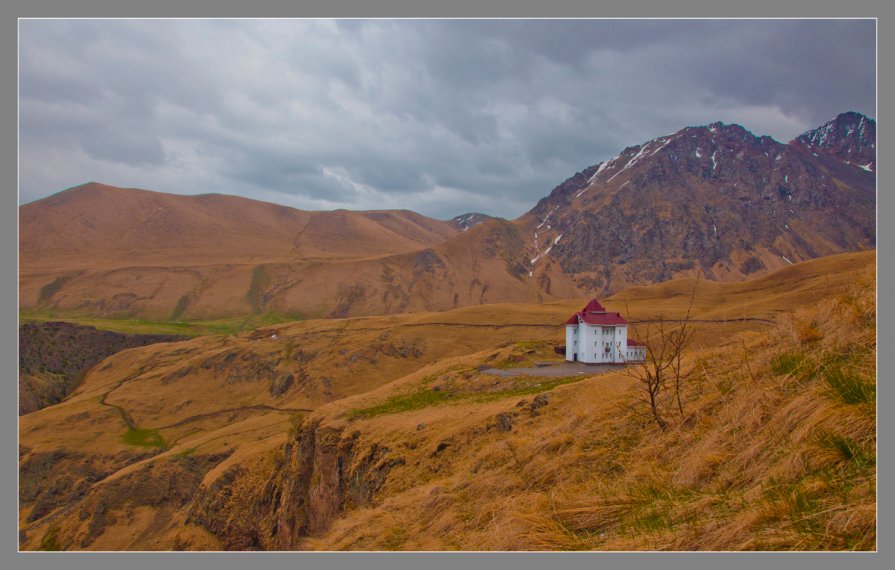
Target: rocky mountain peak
{"points": [[469, 220], [850, 137]]}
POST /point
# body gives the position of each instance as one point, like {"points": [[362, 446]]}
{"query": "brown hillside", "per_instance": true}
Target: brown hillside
{"points": [[237, 441], [483, 265], [775, 451], [98, 226], [96, 249]]}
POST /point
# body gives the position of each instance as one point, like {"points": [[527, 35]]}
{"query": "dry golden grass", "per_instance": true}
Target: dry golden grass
{"points": [[762, 459], [769, 456]]}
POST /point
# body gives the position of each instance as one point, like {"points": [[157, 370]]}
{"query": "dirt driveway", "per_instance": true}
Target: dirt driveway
{"points": [[555, 370]]}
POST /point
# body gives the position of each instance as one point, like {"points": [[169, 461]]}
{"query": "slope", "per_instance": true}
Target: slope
{"points": [[775, 450], [198, 444], [714, 199], [95, 226], [104, 251]]}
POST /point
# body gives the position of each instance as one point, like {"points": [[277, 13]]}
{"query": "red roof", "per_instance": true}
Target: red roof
{"points": [[594, 314], [604, 319], [632, 342]]}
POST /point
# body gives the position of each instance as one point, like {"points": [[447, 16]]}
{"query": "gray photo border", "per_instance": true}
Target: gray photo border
{"points": [[11, 10]]}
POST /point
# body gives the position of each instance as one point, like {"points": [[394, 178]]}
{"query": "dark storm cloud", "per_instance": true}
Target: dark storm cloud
{"points": [[441, 117]]}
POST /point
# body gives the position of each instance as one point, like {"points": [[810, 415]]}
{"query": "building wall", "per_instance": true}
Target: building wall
{"points": [[597, 348], [636, 353], [621, 343], [571, 342], [589, 352], [585, 343], [592, 347]]}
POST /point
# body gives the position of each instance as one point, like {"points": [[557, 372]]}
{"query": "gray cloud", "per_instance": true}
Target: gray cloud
{"points": [[439, 116]]}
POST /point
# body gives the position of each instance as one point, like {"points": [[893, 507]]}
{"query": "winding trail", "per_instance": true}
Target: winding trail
{"points": [[125, 416], [256, 407]]}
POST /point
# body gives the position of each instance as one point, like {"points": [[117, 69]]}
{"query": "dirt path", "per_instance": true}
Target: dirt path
{"points": [[556, 370], [126, 417], [254, 408]]}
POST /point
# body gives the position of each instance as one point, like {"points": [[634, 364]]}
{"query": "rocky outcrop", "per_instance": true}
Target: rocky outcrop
{"points": [[850, 137], [322, 471], [465, 221], [327, 470]]}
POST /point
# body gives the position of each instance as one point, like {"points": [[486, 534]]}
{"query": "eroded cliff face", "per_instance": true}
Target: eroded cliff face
{"points": [[54, 356], [276, 501]]}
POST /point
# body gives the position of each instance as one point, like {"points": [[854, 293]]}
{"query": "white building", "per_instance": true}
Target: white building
{"points": [[594, 336]]}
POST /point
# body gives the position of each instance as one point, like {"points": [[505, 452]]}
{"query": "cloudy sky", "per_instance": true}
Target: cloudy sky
{"points": [[442, 117]]}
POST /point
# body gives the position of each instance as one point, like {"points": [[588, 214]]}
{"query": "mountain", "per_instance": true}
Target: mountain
{"points": [[850, 137], [124, 253], [95, 225], [465, 221], [715, 199], [97, 249]]}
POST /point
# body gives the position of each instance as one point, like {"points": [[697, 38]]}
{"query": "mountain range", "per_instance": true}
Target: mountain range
{"points": [[714, 199]]}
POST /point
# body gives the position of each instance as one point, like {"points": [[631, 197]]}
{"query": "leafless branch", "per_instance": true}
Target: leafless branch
{"points": [[662, 369]]}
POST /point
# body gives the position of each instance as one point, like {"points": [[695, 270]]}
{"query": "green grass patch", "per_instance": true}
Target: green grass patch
{"points": [[654, 506], [794, 364], [426, 398], [532, 344], [260, 281], [849, 386], [851, 451], [49, 542], [543, 385], [143, 438], [405, 403], [180, 307], [186, 452], [793, 502], [50, 289]]}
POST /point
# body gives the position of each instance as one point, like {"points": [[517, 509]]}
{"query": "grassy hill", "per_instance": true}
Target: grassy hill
{"points": [[775, 450], [342, 433]]}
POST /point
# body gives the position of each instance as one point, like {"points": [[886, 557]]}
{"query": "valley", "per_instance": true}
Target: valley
{"points": [[310, 434], [364, 285]]}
